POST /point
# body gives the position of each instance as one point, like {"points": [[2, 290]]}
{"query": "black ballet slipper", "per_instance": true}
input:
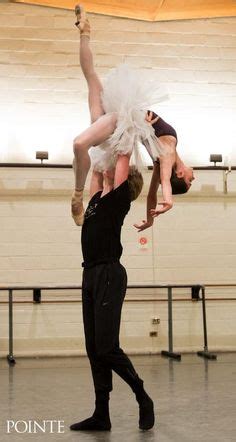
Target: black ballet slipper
{"points": [[146, 413], [92, 424]]}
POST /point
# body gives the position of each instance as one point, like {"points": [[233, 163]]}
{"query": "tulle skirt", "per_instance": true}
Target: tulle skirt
{"points": [[129, 94]]}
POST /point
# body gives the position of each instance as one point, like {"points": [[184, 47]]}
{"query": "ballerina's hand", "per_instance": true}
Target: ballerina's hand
{"points": [[149, 118], [161, 207], [144, 225]]}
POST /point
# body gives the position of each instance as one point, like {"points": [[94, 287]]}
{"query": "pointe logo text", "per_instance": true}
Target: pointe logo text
{"points": [[32, 426]]}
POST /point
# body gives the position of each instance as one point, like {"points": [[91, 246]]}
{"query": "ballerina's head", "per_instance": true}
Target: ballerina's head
{"points": [[181, 180]]}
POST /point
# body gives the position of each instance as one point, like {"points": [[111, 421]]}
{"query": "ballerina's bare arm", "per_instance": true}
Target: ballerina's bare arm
{"points": [[151, 198], [167, 162], [180, 166]]}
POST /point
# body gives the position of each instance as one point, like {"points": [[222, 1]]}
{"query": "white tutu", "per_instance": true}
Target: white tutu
{"points": [[102, 158], [128, 93]]}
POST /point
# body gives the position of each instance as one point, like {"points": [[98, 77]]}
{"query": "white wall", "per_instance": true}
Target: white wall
{"points": [[44, 94], [194, 243]]}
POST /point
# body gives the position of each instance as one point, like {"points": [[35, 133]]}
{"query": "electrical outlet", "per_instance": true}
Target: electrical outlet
{"points": [[156, 321], [153, 334]]}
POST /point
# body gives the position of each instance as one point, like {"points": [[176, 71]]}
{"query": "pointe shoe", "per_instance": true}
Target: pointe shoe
{"points": [[86, 29], [77, 209], [81, 17]]}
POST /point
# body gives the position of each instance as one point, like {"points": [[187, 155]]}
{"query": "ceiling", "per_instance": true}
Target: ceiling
{"points": [[150, 10]]}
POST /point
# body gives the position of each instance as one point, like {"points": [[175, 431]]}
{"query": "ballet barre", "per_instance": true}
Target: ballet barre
{"points": [[195, 288]]}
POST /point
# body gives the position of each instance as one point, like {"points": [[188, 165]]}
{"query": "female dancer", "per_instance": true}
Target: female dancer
{"points": [[119, 122]]}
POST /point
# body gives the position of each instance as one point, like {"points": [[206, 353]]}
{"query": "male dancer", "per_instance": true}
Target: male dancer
{"points": [[103, 292]]}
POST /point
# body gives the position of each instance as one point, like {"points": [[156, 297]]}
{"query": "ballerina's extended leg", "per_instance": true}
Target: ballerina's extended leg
{"points": [[96, 134], [83, 142]]}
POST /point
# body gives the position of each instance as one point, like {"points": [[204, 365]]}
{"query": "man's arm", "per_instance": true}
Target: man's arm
{"points": [[121, 175], [96, 183], [121, 170]]}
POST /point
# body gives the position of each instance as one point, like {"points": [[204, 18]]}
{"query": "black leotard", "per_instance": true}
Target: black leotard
{"points": [[162, 128]]}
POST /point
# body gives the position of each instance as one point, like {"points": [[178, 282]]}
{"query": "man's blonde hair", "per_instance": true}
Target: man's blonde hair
{"points": [[135, 181]]}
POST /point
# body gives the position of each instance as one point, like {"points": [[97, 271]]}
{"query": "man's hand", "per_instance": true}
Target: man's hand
{"points": [[161, 207], [144, 225], [149, 118]]}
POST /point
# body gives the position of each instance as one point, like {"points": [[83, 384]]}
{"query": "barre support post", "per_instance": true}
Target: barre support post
{"points": [[10, 356], [205, 353], [170, 353]]}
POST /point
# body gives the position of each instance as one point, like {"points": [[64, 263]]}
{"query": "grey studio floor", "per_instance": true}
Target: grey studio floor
{"points": [[194, 399]]}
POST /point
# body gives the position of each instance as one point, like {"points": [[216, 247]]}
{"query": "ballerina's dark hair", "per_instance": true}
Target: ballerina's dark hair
{"points": [[178, 184]]}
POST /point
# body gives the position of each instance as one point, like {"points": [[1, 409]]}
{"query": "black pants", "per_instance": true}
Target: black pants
{"points": [[103, 292]]}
